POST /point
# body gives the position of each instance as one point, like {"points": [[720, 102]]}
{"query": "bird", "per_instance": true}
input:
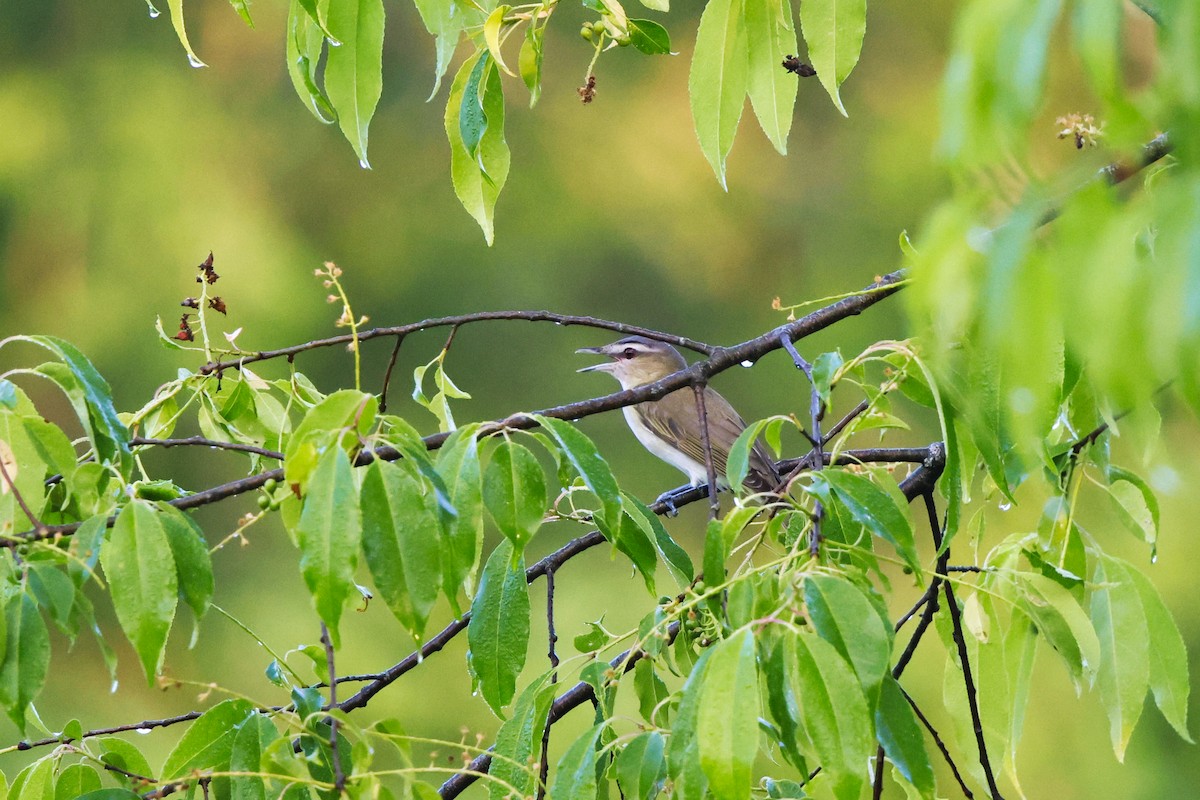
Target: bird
{"points": [[670, 426]]}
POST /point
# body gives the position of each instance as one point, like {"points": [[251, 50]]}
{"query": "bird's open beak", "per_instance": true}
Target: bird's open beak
{"points": [[596, 351]]}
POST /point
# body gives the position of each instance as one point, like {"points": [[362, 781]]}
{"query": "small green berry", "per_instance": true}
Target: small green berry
{"points": [[598, 27], [264, 502], [586, 32], [269, 485], [623, 41]]}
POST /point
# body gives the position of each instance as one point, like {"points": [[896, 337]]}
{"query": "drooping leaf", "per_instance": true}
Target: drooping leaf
{"points": [[193, 564], [498, 633], [444, 19], [902, 738], [354, 70], [478, 172], [727, 718], [1168, 656], [718, 80], [641, 766], [1123, 676], [581, 452], [871, 507], [141, 575], [328, 533], [683, 751], [402, 542], [833, 714], [575, 775], [530, 61], [1064, 624], [305, 40], [458, 464], [176, 9], [770, 37], [518, 737], [833, 31], [254, 735], [26, 656], [208, 742], [843, 616], [514, 492]]}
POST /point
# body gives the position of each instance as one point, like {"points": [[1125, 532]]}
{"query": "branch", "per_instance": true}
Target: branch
{"points": [[200, 441], [720, 360], [461, 319], [577, 695]]}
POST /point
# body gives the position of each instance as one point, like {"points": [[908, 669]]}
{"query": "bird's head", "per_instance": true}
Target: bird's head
{"points": [[636, 360]]}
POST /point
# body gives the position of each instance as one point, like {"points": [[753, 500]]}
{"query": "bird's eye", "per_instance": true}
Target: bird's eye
{"points": [[630, 352]]}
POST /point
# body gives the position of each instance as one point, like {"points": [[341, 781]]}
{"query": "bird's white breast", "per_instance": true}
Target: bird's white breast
{"points": [[697, 473]]}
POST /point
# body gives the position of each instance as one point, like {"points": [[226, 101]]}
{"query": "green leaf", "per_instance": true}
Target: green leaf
{"points": [[334, 421], [649, 37], [253, 737], [110, 794], [208, 742], [35, 782], [124, 756], [443, 19], [517, 739], [902, 738], [305, 40], [770, 36], [1135, 505], [871, 507], [1168, 656], [587, 462], [718, 80], [176, 9], [328, 534], [243, 10], [1124, 671], [458, 464], [675, 557], [843, 616], [737, 466], [833, 31], [727, 719], [472, 120], [91, 398], [402, 542], [632, 540], [1059, 618], [85, 548], [514, 492], [529, 61], [651, 693], [683, 753], [354, 71], [141, 573], [833, 714], [778, 668], [575, 774], [498, 633], [478, 171], [26, 656], [641, 766], [75, 781], [54, 592], [493, 26], [193, 564]]}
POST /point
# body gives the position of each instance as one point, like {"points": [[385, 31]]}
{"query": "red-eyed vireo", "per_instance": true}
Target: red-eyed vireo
{"points": [[670, 426]]}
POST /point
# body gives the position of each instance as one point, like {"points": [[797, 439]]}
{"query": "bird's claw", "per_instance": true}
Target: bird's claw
{"points": [[668, 500]]}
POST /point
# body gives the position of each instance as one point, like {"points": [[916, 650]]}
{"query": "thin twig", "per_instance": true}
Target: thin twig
{"points": [[817, 456], [851, 415], [200, 441], [33, 519], [460, 319], [714, 502], [339, 777], [877, 783], [941, 746], [387, 374], [544, 759]]}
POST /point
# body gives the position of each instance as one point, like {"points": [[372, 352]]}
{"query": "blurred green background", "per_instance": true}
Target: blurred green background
{"points": [[121, 167]]}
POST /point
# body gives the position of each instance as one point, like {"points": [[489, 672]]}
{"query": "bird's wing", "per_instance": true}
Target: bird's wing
{"points": [[674, 419]]}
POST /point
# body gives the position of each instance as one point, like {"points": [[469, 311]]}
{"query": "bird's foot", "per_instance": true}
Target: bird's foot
{"points": [[668, 499]]}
